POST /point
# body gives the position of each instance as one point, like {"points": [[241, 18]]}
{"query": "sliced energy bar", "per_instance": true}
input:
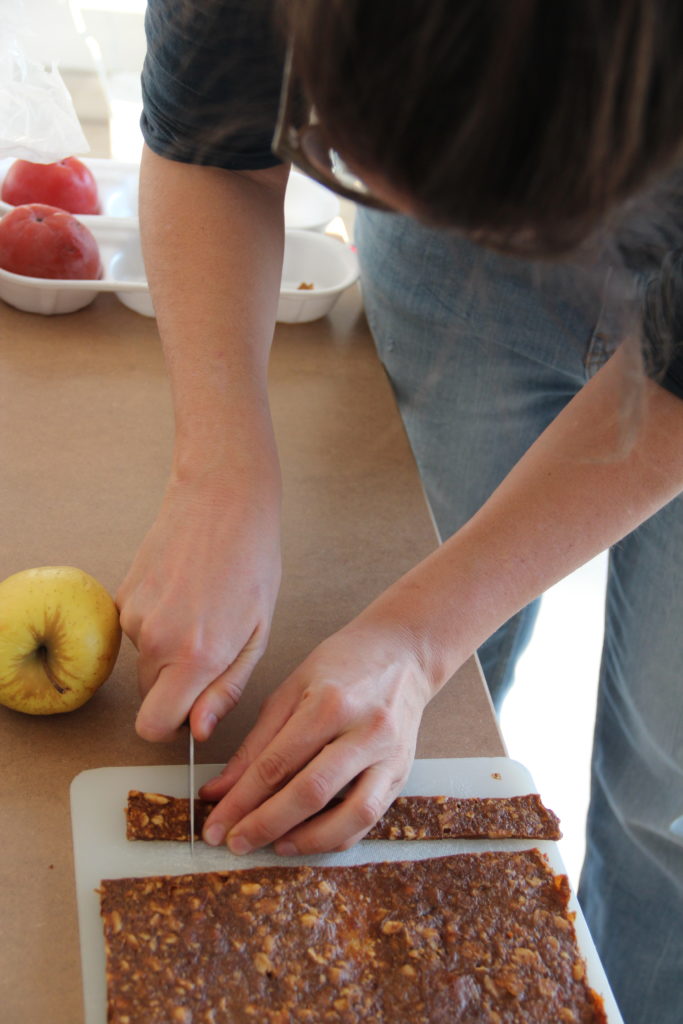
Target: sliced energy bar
{"points": [[156, 816], [446, 817]]}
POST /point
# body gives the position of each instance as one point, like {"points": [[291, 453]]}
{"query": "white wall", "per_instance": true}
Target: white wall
{"points": [[65, 30], [51, 34]]}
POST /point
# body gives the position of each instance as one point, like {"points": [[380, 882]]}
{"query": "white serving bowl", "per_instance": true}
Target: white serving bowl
{"points": [[327, 263], [310, 256]]}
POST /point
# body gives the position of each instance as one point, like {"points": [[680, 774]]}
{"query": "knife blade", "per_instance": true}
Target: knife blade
{"points": [[190, 786]]}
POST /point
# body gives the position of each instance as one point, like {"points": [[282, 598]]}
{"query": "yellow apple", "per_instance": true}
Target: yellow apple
{"points": [[59, 639]]}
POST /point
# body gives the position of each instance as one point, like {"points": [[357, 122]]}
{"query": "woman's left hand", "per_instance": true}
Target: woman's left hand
{"points": [[350, 713], [347, 716]]}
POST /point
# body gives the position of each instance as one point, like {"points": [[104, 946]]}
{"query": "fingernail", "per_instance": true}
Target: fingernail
{"points": [[215, 834], [209, 723], [238, 845], [210, 784], [286, 849]]}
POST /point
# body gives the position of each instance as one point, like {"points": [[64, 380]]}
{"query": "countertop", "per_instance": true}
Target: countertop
{"points": [[85, 434]]}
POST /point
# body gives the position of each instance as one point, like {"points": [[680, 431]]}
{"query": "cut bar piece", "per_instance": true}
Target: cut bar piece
{"points": [[445, 817], [482, 937], [155, 816]]}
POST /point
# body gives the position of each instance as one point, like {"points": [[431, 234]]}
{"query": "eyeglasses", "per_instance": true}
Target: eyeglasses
{"points": [[307, 147]]}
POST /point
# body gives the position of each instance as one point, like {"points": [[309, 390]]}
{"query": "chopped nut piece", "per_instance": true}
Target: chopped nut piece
{"points": [[262, 963], [250, 888], [491, 986], [523, 955]]}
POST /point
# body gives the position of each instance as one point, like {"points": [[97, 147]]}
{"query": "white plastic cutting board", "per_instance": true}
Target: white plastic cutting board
{"points": [[101, 850]]}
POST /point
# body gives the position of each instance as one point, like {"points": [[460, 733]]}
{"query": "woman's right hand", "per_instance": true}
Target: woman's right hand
{"points": [[198, 599]]}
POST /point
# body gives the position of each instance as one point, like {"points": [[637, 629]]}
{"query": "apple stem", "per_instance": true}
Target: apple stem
{"points": [[42, 656]]}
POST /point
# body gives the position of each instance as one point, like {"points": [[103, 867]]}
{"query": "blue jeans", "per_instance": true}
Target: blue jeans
{"points": [[483, 351]]}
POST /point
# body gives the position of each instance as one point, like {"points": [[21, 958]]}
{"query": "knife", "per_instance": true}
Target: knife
{"points": [[190, 785]]}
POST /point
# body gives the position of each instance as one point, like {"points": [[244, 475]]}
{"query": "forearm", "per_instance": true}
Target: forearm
{"points": [[198, 599], [213, 244], [577, 490]]}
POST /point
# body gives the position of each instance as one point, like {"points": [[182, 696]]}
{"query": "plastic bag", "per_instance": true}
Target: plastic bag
{"points": [[37, 117]]}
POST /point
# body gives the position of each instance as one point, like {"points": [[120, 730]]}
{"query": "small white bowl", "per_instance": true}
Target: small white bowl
{"points": [[308, 205], [327, 263]]}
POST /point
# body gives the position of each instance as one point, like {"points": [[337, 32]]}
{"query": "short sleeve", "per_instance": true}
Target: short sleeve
{"points": [[673, 376], [663, 323], [211, 81]]}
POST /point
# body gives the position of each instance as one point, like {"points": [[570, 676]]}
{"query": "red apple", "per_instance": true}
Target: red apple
{"points": [[42, 241], [68, 184]]}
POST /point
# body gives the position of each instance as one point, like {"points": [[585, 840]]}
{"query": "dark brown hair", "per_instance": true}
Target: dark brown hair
{"points": [[521, 122]]}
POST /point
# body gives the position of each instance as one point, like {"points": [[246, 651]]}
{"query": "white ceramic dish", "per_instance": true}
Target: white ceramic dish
{"points": [[117, 184], [115, 239], [315, 259], [310, 258]]}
